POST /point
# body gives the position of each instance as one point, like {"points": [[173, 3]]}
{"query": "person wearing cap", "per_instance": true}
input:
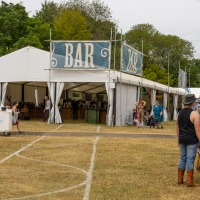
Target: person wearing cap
{"points": [[188, 134]]}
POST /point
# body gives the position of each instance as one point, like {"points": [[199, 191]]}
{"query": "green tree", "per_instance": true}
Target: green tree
{"points": [[42, 23], [163, 51], [30, 40], [13, 23], [41, 30], [141, 38], [48, 12], [100, 20], [193, 73], [97, 15], [160, 75], [72, 25]]}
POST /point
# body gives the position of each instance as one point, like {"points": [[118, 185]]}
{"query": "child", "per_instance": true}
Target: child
{"points": [[135, 118], [24, 112], [147, 119]]}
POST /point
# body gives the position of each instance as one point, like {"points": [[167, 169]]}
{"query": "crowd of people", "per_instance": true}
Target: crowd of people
{"points": [[22, 111]]}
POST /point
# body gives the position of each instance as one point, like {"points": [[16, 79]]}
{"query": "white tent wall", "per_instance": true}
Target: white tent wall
{"points": [[153, 98], [29, 94], [195, 91], [165, 100], [138, 97], [175, 102], [65, 75], [55, 90], [110, 119], [3, 88], [142, 82], [15, 91], [125, 102]]}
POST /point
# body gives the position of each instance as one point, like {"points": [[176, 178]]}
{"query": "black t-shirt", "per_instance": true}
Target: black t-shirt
{"points": [[187, 134]]}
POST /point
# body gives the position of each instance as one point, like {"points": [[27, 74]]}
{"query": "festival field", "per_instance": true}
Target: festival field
{"points": [[74, 160]]}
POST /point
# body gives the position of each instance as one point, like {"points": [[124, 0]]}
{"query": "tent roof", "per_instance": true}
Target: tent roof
{"points": [[30, 64], [26, 64], [140, 81], [195, 91]]}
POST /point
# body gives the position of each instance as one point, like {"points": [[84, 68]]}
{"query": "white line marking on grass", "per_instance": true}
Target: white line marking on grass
{"points": [[50, 193], [53, 163], [98, 129], [25, 147], [63, 145], [86, 183], [20, 150], [89, 174]]}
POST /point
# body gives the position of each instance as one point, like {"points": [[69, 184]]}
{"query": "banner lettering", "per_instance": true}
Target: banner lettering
{"points": [[131, 60], [80, 54]]}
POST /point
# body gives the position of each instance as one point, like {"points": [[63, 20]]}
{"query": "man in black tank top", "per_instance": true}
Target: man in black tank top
{"points": [[188, 133]]}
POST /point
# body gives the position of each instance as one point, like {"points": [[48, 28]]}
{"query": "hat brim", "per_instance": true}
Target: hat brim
{"points": [[188, 103]]}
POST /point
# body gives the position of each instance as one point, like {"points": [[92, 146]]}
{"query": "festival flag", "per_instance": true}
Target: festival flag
{"points": [[132, 60]]}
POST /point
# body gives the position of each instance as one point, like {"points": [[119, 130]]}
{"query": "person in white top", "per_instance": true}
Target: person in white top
{"points": [[15, 113], [46, 108]]}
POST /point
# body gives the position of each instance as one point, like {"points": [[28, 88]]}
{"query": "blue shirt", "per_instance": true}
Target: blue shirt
{"points": [[157, 110]]}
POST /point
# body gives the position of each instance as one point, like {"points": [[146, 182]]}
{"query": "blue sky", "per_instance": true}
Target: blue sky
{"points": [[174, 17]]}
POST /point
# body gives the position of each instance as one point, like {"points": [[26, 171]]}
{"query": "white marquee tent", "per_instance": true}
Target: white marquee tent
{"points": [[195, 91], [30, 66]]}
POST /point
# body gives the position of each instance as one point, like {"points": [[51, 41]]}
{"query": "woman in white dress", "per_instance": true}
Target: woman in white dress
{"points": [[15, 114]]}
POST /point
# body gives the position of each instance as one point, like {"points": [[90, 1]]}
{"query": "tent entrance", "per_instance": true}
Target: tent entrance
{"points": [[89, 96], [90, 99]]}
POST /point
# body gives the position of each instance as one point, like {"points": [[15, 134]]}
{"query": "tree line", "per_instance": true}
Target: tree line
{"points": [[85, 20]]}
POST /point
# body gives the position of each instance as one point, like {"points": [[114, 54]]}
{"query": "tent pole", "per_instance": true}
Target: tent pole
{"points": [[142, 73], [22, 92], [1, 93], [54, 117], [120, 82]]}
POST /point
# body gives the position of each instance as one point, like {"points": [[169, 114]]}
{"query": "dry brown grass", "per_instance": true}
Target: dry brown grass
{"points": [[125, 168], [168, 129], [80, 126], [68, 126]]}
